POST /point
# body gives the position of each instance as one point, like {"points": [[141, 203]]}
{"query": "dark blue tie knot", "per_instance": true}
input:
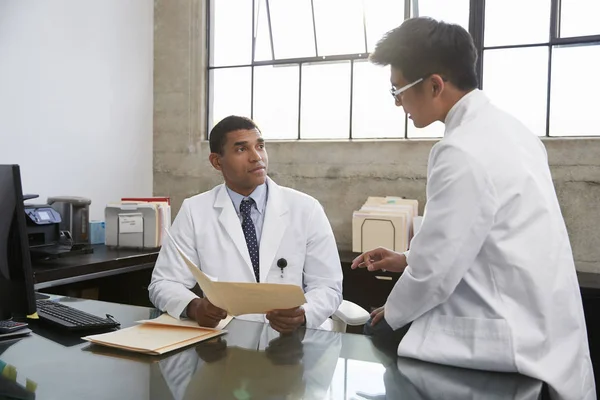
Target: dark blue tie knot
{"points": [[246, 207]]}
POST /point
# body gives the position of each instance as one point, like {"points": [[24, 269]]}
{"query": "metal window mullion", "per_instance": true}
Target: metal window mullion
{"points": [[577, 40], [515, 46], [365, 26], [415, 8], [554, 16], [303, 60], [549, 89], [406, 16], [254, 29], [299, 98], [251, 92], [270, 30], [351, 94], [477, 31], [554, 20], [208, 45], [252, 60], [312, 8], [231, 66]]}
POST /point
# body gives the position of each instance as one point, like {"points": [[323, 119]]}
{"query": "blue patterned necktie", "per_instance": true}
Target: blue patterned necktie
{"points": [[250, 234]]}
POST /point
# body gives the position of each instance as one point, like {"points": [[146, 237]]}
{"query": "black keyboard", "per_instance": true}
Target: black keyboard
{"points": [[71, 318]]}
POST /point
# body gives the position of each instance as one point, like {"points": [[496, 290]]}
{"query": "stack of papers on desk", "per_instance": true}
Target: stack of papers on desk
{"points": [[384, 222], [158, 336], [238, 298], [163, 207], [137, 222]]}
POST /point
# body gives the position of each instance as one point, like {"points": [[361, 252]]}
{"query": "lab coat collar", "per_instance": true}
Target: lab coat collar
{"points": [[274, 226], [259, 195], [464, 109]]}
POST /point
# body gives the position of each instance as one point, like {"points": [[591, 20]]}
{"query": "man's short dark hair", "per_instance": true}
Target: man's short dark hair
{"points": [[423, 46], [218, 135]]}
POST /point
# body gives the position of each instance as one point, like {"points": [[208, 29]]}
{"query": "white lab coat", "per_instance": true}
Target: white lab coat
{"points": [[491, 281], [209, 231]]}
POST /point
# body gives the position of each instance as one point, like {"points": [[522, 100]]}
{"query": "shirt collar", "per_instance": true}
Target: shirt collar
{"points": [[259, 195], [464, 109]]}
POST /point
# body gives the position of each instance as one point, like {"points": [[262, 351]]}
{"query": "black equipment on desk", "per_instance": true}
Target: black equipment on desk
{"points": [[43, 230], [46, 237], [71, 318], [16, 275], [75, 219]]}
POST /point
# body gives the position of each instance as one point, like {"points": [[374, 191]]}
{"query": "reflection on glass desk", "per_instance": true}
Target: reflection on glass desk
{"points": [[251, 361]]}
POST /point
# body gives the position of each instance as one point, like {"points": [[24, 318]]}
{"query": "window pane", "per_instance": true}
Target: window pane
{"points": [[516, 80], [262, 46], [579, 17], [573, 99], [339, 33], [374, 113], [382, 16], [325, 101], [516, 22], [456, 12], [230, 93], [293, 34], [276, 101], [434, 130], [231, 46]]}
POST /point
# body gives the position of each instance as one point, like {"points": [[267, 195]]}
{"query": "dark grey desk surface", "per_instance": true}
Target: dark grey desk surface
{"points": [[104, 261], [250, 362]]}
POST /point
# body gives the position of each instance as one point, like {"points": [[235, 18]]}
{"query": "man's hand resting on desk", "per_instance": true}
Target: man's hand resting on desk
{"points": [[205, 313], [381, 259], [287, 321], [377, 315]]}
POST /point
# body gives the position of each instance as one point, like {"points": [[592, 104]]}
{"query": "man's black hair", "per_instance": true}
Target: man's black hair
{"points": [[218, 135], [423, 46]]}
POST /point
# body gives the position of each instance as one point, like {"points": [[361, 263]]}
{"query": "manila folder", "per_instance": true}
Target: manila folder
{"points": [[238, 298], [152, 338]]}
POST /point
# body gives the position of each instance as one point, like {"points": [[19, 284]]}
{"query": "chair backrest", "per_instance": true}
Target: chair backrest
{"points": [[349, 313]]}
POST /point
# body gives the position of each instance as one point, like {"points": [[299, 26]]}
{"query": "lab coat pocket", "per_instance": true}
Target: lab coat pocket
{"points": [[479, 343]]}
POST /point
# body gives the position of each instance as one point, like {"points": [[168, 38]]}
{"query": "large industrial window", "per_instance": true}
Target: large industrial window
{"points": [[299, 67]]}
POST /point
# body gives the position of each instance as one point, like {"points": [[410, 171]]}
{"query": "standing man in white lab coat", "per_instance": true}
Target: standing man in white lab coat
{"points": [[489, 281], [249, 229]]}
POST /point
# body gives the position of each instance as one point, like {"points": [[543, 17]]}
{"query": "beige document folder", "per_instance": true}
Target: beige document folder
{"points": [[238, 298], [154, 338], [167, 320]]}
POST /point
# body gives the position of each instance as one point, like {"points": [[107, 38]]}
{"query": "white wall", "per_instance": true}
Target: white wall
{"points": [[76, 89]]}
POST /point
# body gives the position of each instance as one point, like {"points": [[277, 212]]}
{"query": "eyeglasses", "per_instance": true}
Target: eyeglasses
{"points": [[397, 92]]}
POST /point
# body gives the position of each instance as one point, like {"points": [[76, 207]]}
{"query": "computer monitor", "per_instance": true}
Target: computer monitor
{"points": [[17, 298]]}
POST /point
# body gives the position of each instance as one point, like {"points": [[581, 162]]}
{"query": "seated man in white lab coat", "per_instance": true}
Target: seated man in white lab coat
{"points": [[249, 229], [489, 281]]}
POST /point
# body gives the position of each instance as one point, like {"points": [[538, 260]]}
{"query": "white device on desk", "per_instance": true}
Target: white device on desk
{"points": [[133, 225]]}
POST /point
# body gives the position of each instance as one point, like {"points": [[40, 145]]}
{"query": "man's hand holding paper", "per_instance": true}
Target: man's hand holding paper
{"points": [[287, 321], [205, 313]]}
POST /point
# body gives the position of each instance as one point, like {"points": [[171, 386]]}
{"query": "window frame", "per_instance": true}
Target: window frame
{"points": [[476, 29]]}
